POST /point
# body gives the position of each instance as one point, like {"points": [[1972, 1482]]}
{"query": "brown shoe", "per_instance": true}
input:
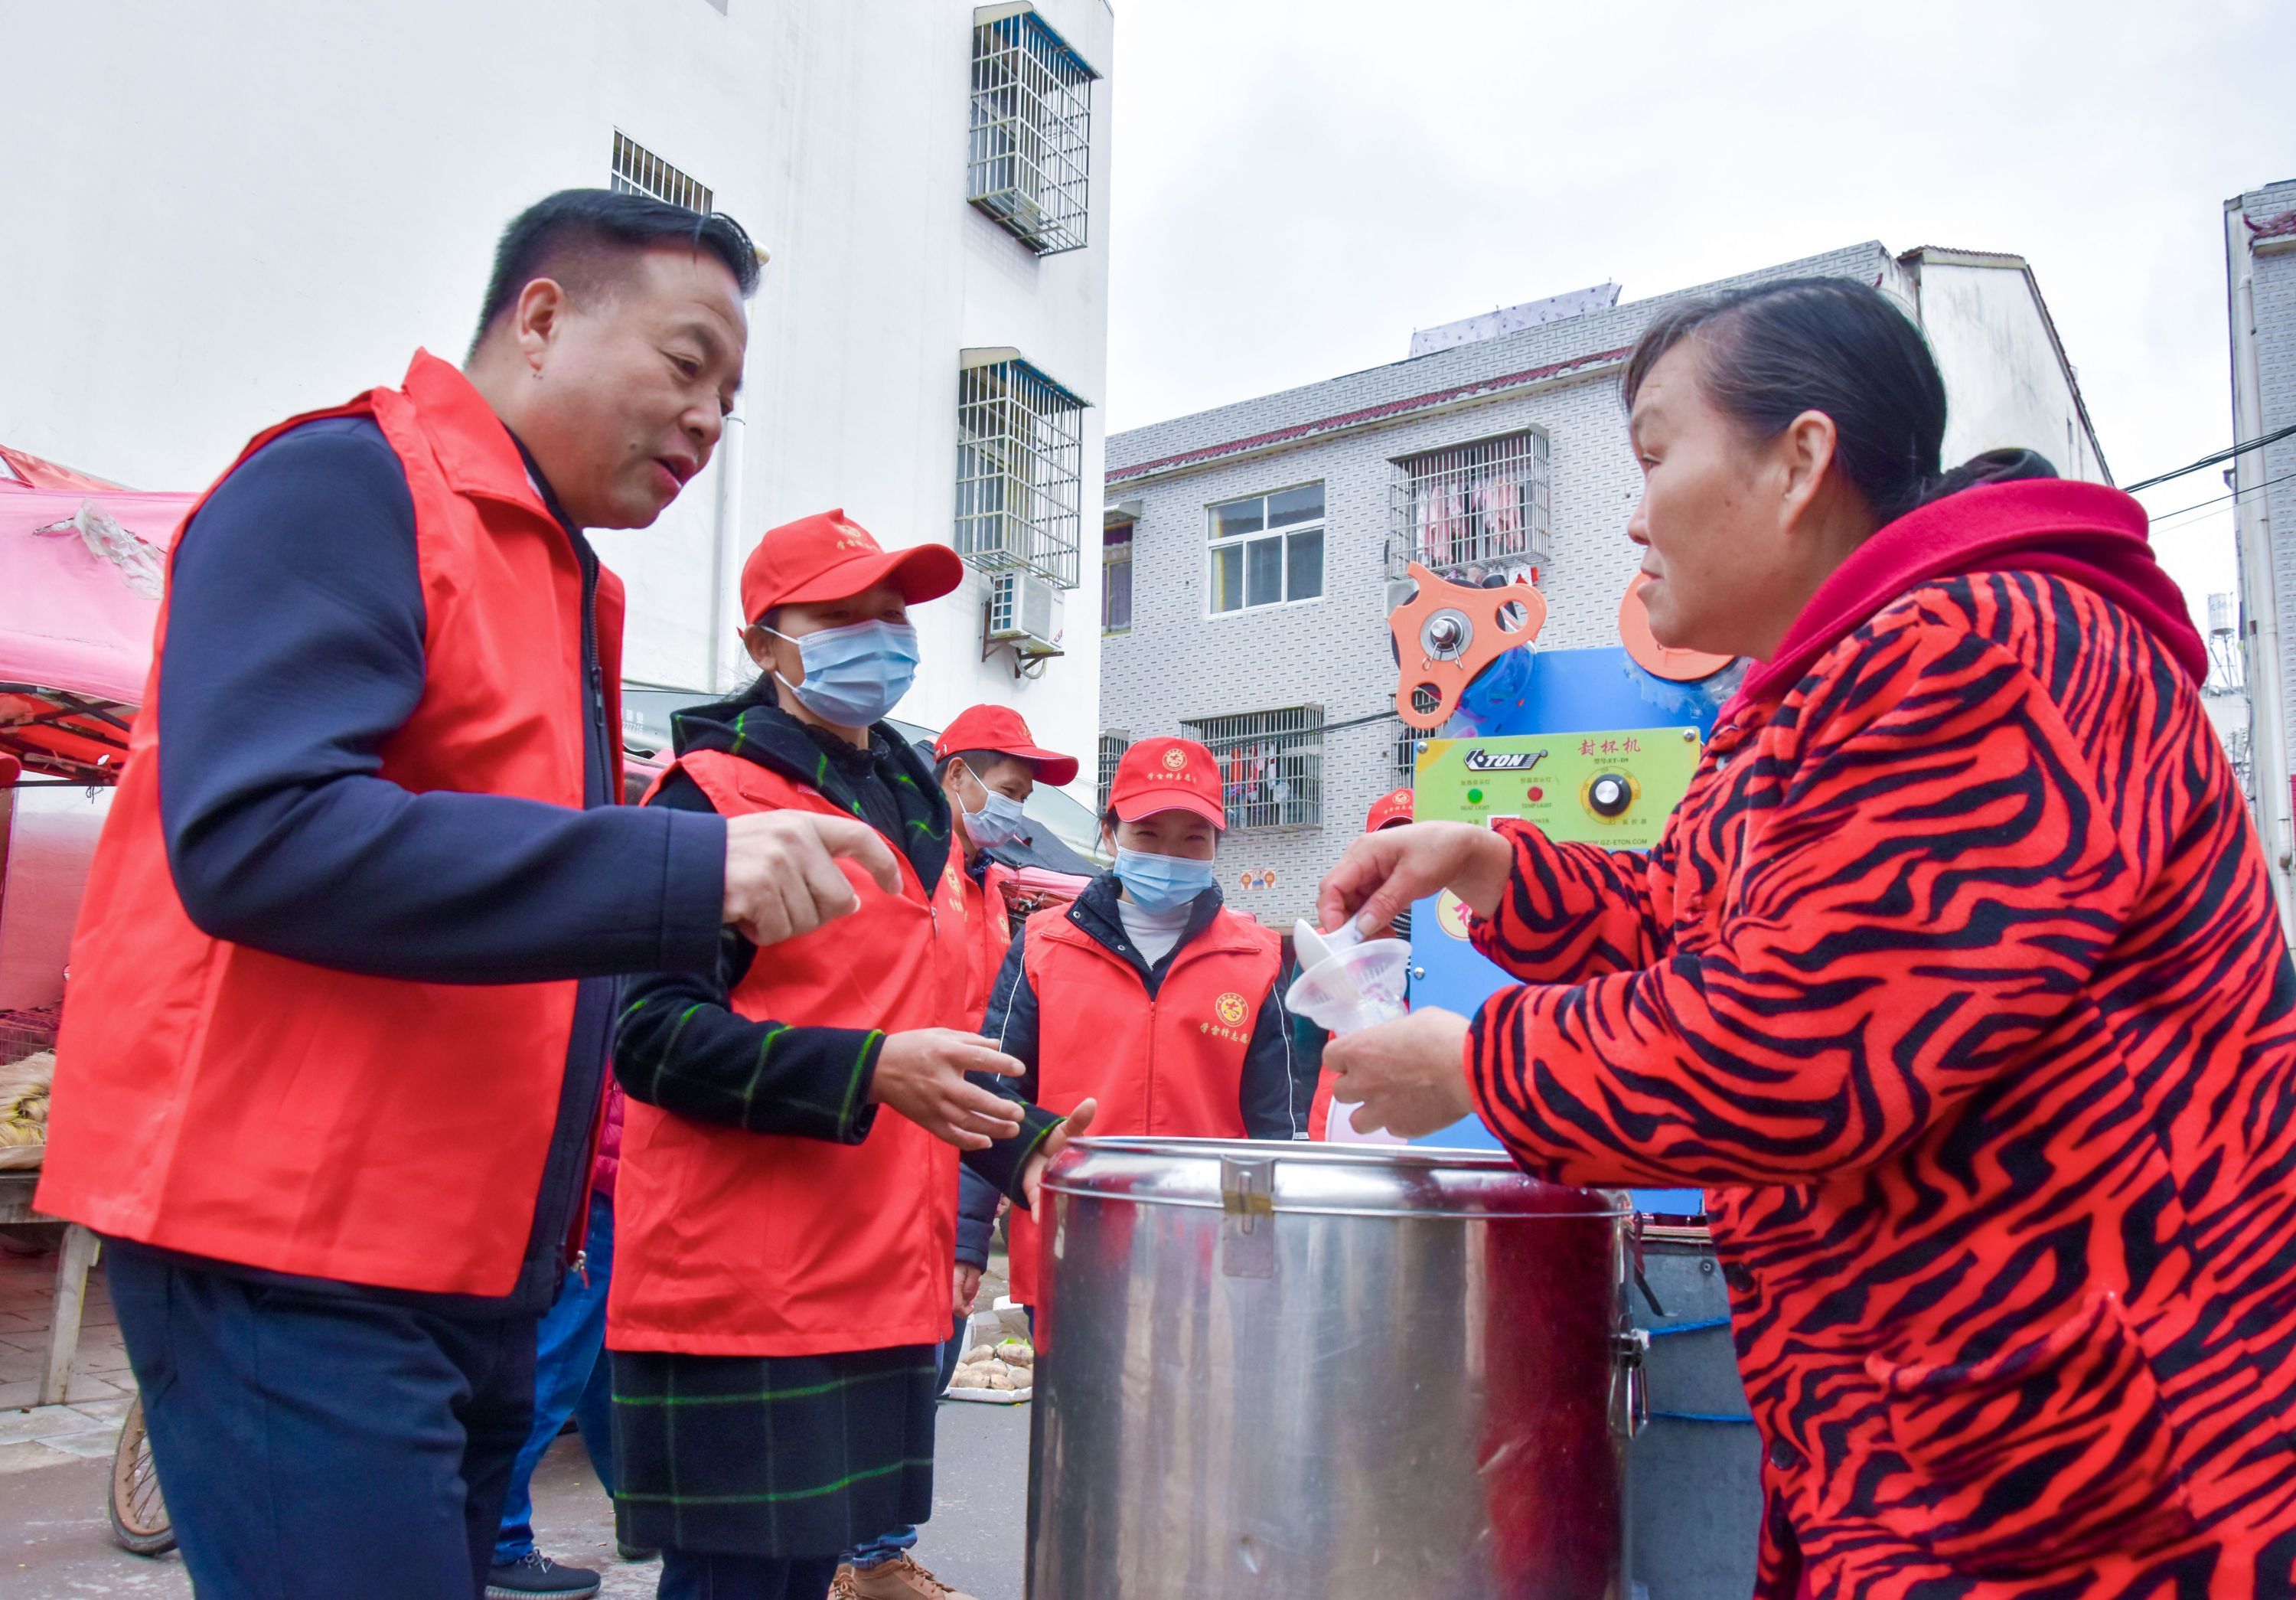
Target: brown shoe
{"points": [[841, 1587], [901, 1578]]}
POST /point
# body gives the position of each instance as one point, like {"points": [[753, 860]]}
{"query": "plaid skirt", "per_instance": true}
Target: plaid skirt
{"points": [[788, 1455]]}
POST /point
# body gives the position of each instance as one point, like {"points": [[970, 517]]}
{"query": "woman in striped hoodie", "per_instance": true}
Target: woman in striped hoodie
{"points": [[1956, 980]]}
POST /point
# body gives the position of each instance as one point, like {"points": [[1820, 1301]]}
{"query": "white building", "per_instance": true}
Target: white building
{"points": [[223, 214], [2260, 293], [1251, 553]]}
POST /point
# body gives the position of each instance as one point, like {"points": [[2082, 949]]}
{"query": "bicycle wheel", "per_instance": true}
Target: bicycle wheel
{"points": [[138, 1512]]}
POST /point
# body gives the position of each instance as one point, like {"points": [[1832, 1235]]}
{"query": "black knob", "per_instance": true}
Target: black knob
{"points": [[1610, 794]]}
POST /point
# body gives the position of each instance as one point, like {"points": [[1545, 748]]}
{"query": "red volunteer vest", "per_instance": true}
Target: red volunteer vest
{"points": [[732, 1244], [1172, 1066], [219, 1100], [987, 933]]}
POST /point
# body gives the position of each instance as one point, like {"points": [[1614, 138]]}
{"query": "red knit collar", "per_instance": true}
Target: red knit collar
{"points": [[2083, 533]]}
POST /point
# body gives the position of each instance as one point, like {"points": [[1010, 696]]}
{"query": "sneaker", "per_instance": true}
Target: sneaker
{"points": [[841, 1587], [636, 1551], [901, 1578], [538, 1574]]}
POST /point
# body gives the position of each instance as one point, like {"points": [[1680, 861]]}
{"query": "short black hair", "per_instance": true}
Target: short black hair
{"points": [[978, 761], [570, 235]]}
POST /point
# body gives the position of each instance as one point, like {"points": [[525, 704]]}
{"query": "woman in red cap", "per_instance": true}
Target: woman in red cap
{"points": [[1159, 1005], [782, 1284]]}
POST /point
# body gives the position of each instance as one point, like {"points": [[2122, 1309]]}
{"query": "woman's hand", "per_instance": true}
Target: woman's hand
{"points": [[920, 1074], [1383, 873], [966, 1289], [1408, 1076], [1032, 1177]]}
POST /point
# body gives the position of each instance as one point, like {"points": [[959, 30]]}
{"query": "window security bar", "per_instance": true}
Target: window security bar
{"points": [[1019, 461], [1271, 766], [638, 170], [1030, 154], [1473, 511], [1113, 743]]}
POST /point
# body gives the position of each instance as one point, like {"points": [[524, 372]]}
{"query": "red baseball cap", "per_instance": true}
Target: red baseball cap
{"points": [[1389, 810], [1000, 728], [829, 556], [1167, 774]]}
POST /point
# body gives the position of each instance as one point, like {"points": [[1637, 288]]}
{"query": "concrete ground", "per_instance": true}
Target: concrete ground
{"points": [[54, 1542], [56, 1465]]}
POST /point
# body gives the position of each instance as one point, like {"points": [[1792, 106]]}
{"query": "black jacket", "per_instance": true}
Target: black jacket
{"points": [[680, 1045]]}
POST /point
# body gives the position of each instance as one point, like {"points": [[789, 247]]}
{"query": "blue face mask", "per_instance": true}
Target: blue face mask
{"points": [[999, 821], [854, 675], [1161, 882]]}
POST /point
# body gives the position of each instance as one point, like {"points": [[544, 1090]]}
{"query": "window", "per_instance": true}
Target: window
{"points": [[1473, 511], [1267, 550], [1408, 743], [1112, 746], [1116, 578], [1031, 155], [638, 170], [1271, 766], [1019, 458]]}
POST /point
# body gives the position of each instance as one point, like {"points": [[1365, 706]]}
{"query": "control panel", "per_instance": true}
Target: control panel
{"points": [[1615, 788]]}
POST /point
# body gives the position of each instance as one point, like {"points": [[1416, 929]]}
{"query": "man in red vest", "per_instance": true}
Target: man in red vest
{"points": [[335, 1034]]}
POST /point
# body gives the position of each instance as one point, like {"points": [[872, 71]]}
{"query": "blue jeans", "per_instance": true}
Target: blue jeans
{"points": [[885, 1547], [571, 1378], [289, 1425]]}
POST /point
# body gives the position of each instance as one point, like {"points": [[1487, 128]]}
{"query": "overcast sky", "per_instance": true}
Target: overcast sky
{"points": [[1297, 185]]}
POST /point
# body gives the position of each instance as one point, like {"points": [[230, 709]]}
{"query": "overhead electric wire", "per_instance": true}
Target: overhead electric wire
{"points": [[2233, 494], [2208, 461]]}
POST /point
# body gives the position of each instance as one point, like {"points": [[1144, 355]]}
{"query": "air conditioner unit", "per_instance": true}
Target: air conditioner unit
{"points": [[1025, 611]]}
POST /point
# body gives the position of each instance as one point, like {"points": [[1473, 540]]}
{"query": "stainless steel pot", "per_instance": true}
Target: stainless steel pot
{"points": [[1344, 1372]]}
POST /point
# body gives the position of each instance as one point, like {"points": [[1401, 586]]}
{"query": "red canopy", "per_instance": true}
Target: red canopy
{"points": [[20, 469], [84, 566]]}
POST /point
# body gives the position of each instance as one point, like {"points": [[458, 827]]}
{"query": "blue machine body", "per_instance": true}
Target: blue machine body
{"points": [[1530, 691]]}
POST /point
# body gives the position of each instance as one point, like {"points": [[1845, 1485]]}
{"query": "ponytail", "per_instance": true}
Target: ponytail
{"points": [[1993, 466]]}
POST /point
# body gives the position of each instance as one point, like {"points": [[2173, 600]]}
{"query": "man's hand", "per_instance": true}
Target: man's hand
{"points": [[1382, 874], [968, 1289], [1408, 1076], [782, 877], [920, 1074], [1032, 1178]]}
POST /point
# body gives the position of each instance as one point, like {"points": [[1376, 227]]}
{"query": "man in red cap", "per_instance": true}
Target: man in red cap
{"points": [[988, 763], [1148, 997], [789, 1158]]}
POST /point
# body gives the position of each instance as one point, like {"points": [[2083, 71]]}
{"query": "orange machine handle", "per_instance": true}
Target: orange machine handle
{"points": [[1447, 633], [1643, 648]]}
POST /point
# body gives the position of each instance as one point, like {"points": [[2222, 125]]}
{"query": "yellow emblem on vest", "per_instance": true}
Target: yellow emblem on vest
{"points": [[1230, 1008]]}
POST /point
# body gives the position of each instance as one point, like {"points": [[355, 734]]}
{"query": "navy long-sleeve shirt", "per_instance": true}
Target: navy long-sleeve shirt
{"points": [[294, 649]]}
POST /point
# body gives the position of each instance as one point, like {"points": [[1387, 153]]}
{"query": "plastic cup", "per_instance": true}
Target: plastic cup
{"points": [[1357, 987]]}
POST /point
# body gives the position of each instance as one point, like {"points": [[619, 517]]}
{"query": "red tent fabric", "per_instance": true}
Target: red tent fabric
{"points": [[21, 469], [77, 616]]}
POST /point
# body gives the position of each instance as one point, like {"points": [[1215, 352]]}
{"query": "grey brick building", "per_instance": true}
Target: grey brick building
{"points": [[1251, 552], [2260, 293]]}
